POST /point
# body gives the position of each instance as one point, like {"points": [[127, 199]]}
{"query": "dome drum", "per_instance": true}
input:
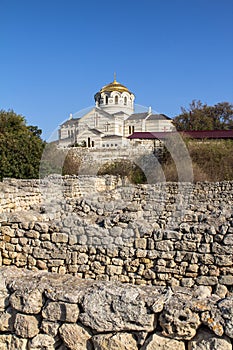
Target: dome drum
{"points": [[114, 96]]}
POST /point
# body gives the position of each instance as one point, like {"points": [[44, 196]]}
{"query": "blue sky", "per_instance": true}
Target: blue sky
{"points": [[56, 54]]}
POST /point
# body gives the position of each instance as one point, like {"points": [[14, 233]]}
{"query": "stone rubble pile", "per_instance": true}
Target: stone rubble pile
{"points": [[41, 310]]}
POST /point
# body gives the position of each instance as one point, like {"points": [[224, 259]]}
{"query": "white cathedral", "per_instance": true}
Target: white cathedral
{"points": [[112, 121]]}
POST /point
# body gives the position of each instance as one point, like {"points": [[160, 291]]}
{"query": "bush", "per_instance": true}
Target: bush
{"points": [[211, 161], [124, 168]]}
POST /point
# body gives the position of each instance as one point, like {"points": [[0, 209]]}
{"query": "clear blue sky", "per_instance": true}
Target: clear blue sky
{"points": [[56, 54]]}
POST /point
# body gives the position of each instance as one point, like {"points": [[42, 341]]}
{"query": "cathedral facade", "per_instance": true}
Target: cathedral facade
{"points": [[110, 123]]}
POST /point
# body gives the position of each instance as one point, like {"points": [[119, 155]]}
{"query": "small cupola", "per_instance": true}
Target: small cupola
{"points": [[114, 98]]}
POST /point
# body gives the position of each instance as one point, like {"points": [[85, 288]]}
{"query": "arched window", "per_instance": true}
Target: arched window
{"points": [[106, 100], [116, 100], [125, 100]]}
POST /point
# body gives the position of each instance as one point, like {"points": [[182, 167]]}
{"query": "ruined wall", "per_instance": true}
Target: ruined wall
{"points": [[147, 234], [20, 194], [40, 310]]}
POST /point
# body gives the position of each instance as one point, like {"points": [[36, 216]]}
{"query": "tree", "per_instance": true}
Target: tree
{"points": [[199, 116], [21, 147]]}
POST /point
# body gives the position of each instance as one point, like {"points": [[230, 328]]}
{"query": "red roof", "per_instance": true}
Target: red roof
{"points": [[209, 134], [199, 134], [150, 135]]}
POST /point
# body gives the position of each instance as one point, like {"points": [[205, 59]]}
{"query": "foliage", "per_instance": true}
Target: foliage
{"points": [[21, 147], [199, 116], [124, 168], [211, 161]]}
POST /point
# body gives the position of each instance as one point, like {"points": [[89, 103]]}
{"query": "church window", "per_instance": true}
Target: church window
{"points": [[107, 127], [106, 100], [116, 100], [131, 129], [125, 100], [92, 143], [96, 120]]}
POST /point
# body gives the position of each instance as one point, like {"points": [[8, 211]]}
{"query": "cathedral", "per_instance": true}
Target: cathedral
{"points": [[112, 122]]}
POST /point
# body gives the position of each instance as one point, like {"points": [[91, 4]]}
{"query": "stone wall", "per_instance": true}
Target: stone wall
{"points": [[20, 194], [39, 310], [164, 234]]}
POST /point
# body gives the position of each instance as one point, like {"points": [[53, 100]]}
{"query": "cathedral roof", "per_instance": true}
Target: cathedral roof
{"points": [[115, 86], [138, 116], [146, 115], [158, 117]]}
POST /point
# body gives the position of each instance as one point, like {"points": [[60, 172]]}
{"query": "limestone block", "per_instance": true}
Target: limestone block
{"points": [[41, 341], [82, 258], [59, 311], [186, 246], [59, 237], [178, 320], [8, 231], [164, 245], [223, 260], [27, 301], [213, 320], [11, 342], [7, 320], [41, 265], [226, 280], [140, 243], [172, 235], [41, 227], [114, 270], [158, 342], [187, 282], [75, 337], [32, 234], [207, 280], [228, 239], [226, 308], [206, 340], [141, 253], [112, 307], [26, 326], [221, 291], [114, 341], [50, 327]]}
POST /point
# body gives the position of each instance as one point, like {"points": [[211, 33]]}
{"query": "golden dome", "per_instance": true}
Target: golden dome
{"points": [[115, 86]]}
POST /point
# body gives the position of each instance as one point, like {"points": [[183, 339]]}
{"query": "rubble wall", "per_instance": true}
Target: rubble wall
{"points": [[147, 234], [40, 310]]}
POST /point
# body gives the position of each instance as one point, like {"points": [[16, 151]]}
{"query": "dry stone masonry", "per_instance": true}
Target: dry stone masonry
{"points": [[40, 310], [82, 237], [146, 234]]}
